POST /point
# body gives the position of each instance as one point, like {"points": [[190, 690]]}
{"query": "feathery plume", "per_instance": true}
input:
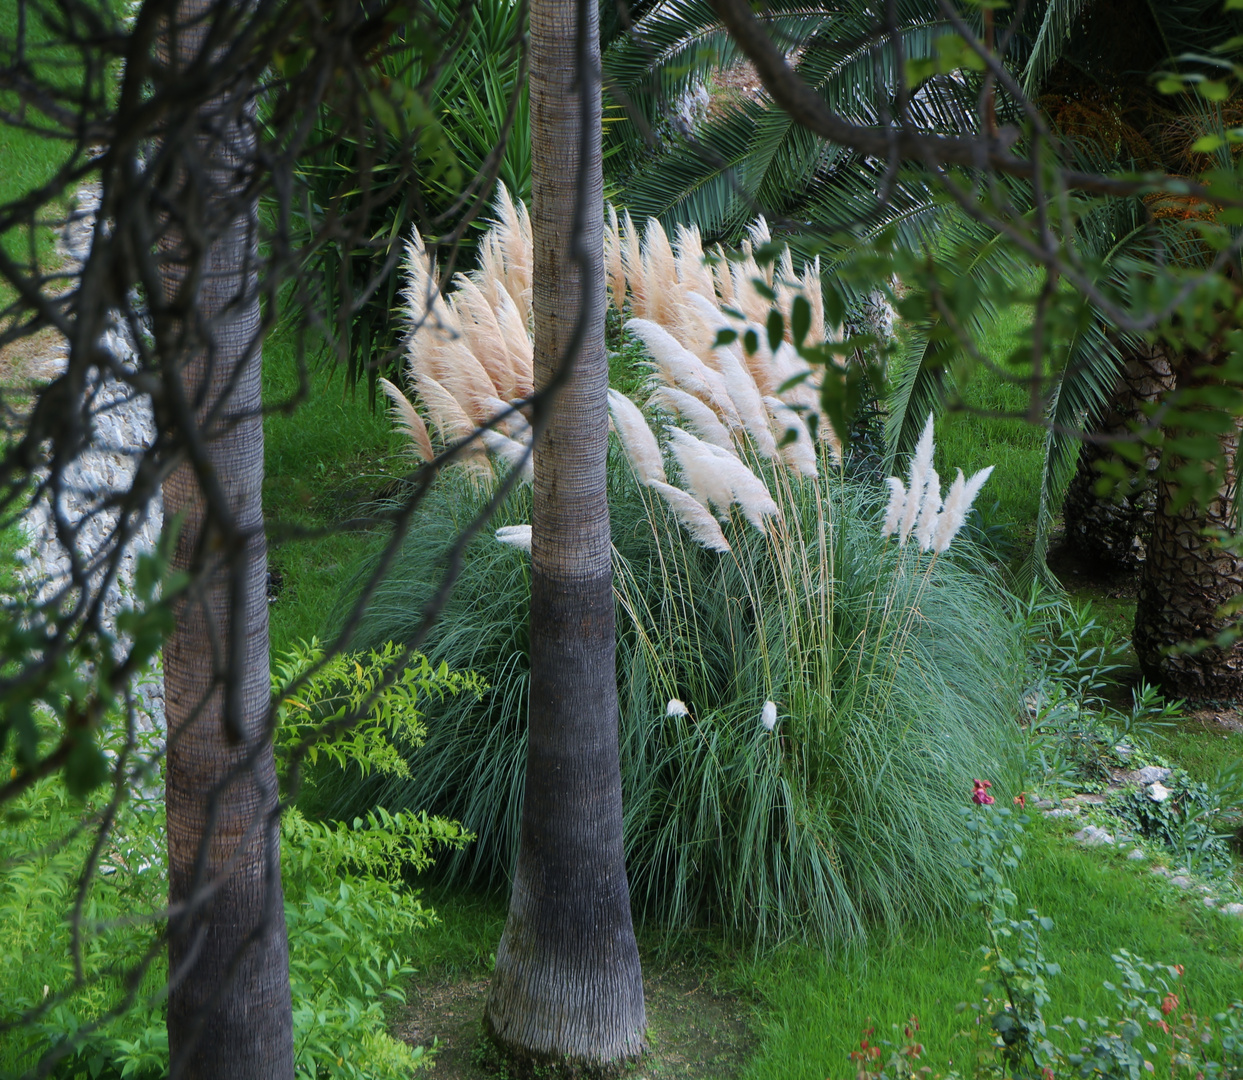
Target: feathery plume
{"points": [[693, 273], [750, 492], [614, 267], [683, 368], [921, 464], [518, 536], [768, 715], [814, 292], [447, 416], [514, 425], [723, 278], [513, 229], [636, 438], [896, 507], [692, 517], [747, 399], [660, 273], [703, 420], [632, 261], [482, 333], [926, 525], [676, 708], [799, 454], [405, 416], [701, 469], [513, 453], [961, 496], [518, 344]]}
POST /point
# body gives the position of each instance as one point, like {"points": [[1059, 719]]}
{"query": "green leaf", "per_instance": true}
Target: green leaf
{"points": [[800, 320], [725, 337], [776, 329]]}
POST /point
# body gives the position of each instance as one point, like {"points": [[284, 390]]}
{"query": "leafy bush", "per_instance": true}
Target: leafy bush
{"points": [[896, 678], [349, 915]]}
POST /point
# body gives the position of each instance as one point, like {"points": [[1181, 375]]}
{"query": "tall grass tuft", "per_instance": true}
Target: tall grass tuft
{"points": [[802, 702], [895, 677]]}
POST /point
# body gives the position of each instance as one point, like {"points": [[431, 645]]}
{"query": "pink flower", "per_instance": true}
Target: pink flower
{"points": [[980, 795]]}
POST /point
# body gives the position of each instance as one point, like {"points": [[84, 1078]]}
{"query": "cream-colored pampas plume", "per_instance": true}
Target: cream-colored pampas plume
{"points": [[614, 265], [957, 503], [722, 478], [693, 272], [800, 452], [814, 292], [514, 425], [759, 234], [926, 525], [519, 345], [446, 414], [680, 367], [921, 466], [723, 279], [516, 455], [693, 517], [895, 508], [636, 438], [701, 470], [747, 399], [513, 231], [518, 536], [482, 335], [405, 416], [632, 260], [702, 420], [454, 366], [660, 275]]}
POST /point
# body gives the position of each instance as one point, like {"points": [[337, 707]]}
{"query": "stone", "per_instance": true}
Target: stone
{"points": [[1232, 909], [1151, 774], [1136, 855], [1158, 792], [1061, 813], [1123, 751], [1045, 804], [1091, 836], [1208, 901], [1181, 881]]}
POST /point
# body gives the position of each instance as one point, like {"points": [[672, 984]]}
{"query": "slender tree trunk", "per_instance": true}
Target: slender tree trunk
{"points": [[1112, 531], [229, 1012], [1188, 575], [568, 986]]}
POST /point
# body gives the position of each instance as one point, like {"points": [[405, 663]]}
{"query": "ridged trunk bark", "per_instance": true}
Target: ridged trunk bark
{"points": [[1112, 531], [229, 1010], [568, 988], [1186, 579]]}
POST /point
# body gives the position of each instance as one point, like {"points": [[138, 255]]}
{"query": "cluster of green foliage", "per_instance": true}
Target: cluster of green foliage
{"points": [[893, 676], [350, 913]]}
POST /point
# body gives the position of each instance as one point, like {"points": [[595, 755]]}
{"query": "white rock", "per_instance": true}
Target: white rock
{"points": [[1232, 909], [1091, 836], [1151, 774], [1158, 792], [1061, 813], [1135, 855], [1181, 881]]}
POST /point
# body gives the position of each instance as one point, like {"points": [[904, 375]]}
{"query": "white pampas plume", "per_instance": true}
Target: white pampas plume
{"points": [[518, 536], [703, 420], [750, 492], [693, 518], [799, 454], [447, 416], [896, 507], [723, 278], [676, 708], [632, 261], [958, 503], [518, 344], [692, 271], [404, 415], [636, 438], [614, 267], [682, 367], [921, 464], [701, 469], [454, 366], [768, 715], [926, 526], [747, 399], [513, 229], [514, 425], [482, 333], [660, 273], [513, 453], [814, 292]]}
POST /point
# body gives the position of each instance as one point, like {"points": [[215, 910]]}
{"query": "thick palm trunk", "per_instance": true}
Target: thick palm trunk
{"points": [[568, 985], [229, 1012], [1112, 530], [1187, 577]]}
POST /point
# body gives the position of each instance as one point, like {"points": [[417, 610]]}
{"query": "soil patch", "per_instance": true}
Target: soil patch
{"points": [[694, 1033]]}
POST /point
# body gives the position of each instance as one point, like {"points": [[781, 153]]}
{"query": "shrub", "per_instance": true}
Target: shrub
{"points": [[896, 678]]}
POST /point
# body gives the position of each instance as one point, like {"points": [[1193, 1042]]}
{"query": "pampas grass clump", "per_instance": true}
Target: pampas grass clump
{"points": [[803, 702]]}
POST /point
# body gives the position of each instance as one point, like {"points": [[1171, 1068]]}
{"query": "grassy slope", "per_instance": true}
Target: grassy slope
{"points": [[331, 454], [814, 1009]]}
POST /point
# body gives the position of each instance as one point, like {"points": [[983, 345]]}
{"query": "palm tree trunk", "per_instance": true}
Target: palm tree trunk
{"points": [[568, 986], [229, 1011], [1188, 576], [1112, 531]]}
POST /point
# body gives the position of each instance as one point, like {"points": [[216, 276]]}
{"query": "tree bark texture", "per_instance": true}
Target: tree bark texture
{"points": [[229, 1010], [568, 986], [1187, 577], [1112, 530]]}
